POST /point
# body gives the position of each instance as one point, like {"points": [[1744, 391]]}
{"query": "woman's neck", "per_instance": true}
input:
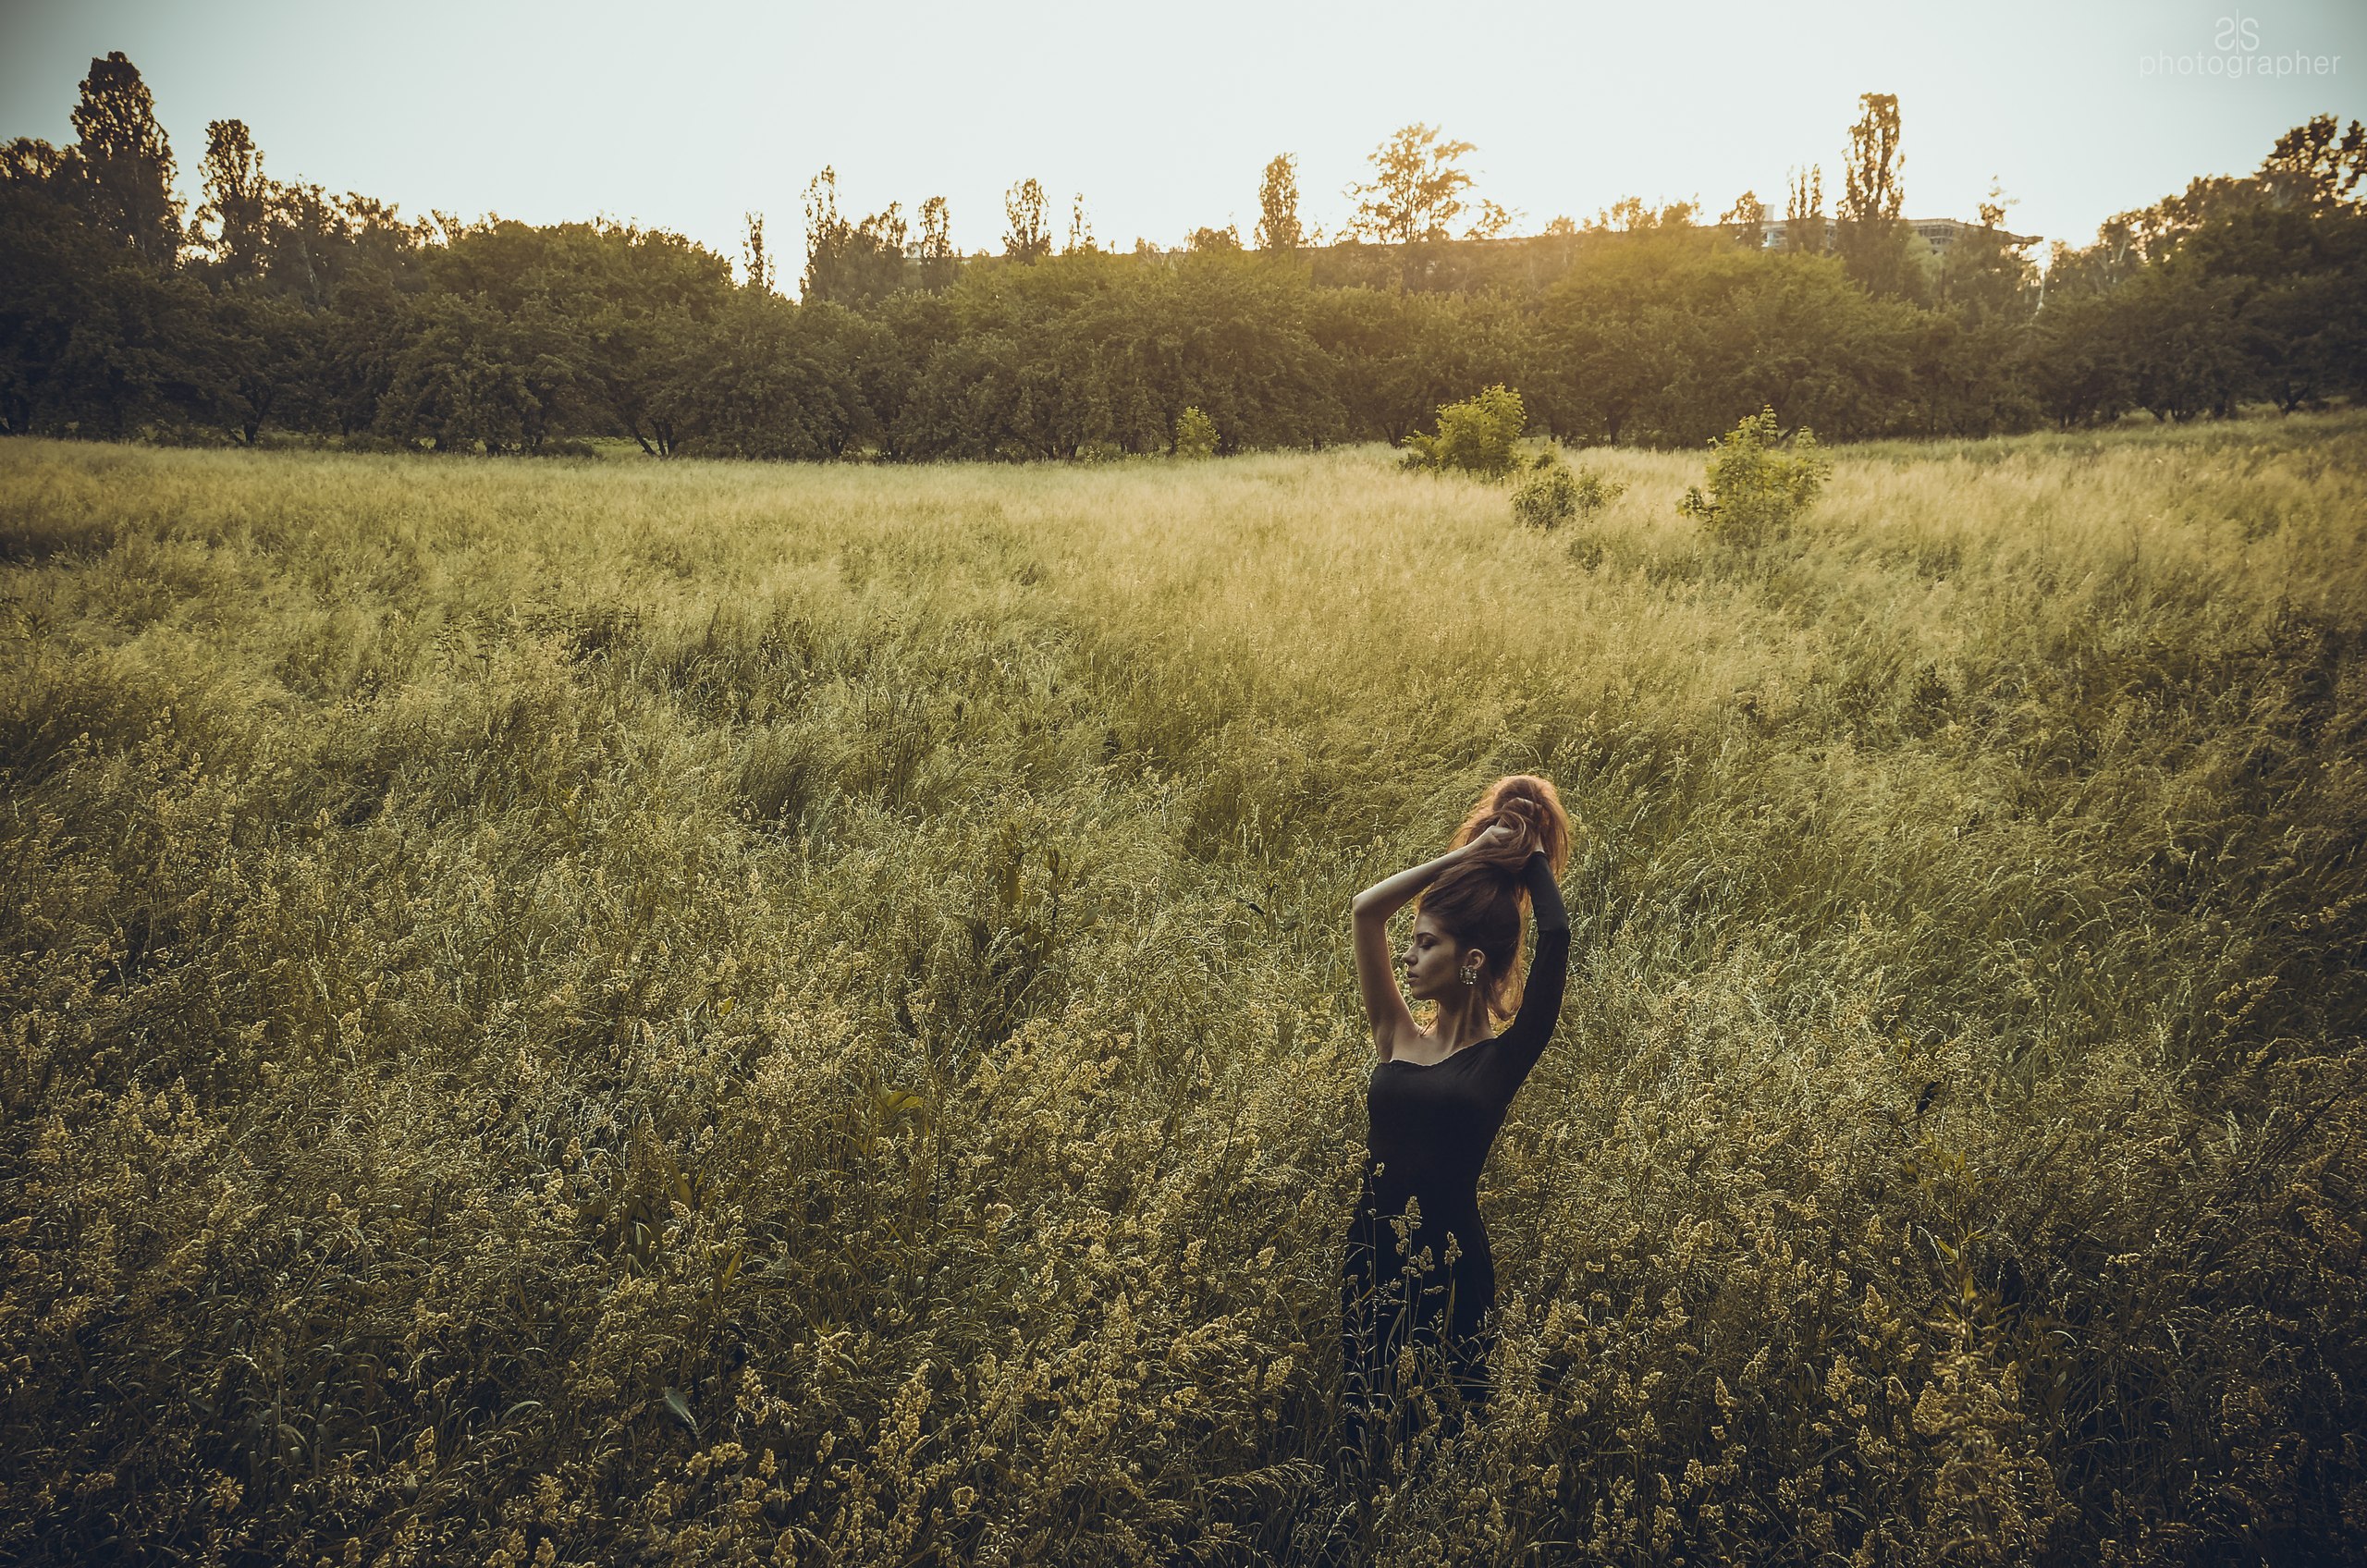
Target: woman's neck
{"points": [[1464, 1024]]}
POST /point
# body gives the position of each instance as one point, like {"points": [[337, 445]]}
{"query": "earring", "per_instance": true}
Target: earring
{"points": [[1471, 977]]}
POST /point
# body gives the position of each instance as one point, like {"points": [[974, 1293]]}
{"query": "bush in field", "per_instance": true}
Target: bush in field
{"points": [[1475, 435], [1553, 494], [1759, 482], [1196, 435], [1547, 499]]}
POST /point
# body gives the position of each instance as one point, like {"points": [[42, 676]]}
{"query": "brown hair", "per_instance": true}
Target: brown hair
{"points": [[1481, 902]]}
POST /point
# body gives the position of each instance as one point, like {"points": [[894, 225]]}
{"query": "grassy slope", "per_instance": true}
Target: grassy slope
{"points": [[508, 964]]}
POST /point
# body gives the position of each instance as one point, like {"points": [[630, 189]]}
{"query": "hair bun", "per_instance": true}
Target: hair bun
{"points": [[1530, 809]]}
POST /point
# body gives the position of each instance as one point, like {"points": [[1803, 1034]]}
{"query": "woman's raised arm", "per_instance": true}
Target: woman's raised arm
{"points": [[1541, 1004], [1384, 1004]]}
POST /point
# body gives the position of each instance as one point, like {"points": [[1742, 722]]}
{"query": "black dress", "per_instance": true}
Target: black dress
{"points": [[1431, 1128]]}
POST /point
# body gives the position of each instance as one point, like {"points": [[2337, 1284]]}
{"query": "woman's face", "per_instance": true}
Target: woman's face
{"points": [[1430, 959]]}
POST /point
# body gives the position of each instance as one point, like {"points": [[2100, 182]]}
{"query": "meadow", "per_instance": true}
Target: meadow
{"points": [[582, 1013]]}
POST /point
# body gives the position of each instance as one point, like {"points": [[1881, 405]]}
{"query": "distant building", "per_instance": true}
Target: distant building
{"points": [[1940, 233]]}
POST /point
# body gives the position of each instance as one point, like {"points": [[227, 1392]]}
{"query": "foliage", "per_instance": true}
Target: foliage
{"points": [[292, 313], [1196, 435], [1748, 217], [1804, 220], [2309, 169], [1475, 435], [1546, 497], [121, 167], [1280, 233], [1552, 494], [756, 265], [1761, 481], [1868, 230], [663, 1013], [1029, 238], [850, 264], [1594, 491], [935, 253], [1416, 192], [237, 199]]}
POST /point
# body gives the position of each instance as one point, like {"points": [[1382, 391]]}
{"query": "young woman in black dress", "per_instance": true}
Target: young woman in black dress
{"points": [[1439, 1095]]}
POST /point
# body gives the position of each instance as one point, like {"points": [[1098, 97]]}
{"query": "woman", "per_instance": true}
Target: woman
{"points": [[1439, 1095]]}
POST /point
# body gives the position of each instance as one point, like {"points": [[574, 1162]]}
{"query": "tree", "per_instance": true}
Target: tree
{"points": [[1760, 482], [262, 346], [1616, 334], [754, 257], [1080, 227], [1196, 435], [126, 162], [850, 264], [1972, 351], [1803, 211], [473, 374], [1396, 355], [2307, 337], [28, 162], [1984, 276], [621, 303], [315, 242], [765, 378], [1748, 216], [1633, 214], [1417, 191], [2309, 169], [1279, 233], [2076, 372], [1029, 238], [935, 251], [1867, 230], [63, 360], [1207, 241], [1475, 436], [237, 199], [2180, 335]]}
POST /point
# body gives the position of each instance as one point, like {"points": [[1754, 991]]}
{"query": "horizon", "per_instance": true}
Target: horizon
{"points": [[629, 128]]}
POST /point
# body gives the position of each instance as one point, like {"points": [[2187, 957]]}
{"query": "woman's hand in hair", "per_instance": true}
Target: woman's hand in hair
{"points": [[1507, 841], [1500, 836]]}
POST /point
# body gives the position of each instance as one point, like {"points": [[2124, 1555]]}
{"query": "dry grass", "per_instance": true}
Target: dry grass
{"points": [[568, 1013]]}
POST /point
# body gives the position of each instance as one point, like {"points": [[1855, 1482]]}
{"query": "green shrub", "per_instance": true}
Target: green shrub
{"points": [[1759, 482], [1553, 494], [1475, 435], [1547, 499], [1196, 435]]}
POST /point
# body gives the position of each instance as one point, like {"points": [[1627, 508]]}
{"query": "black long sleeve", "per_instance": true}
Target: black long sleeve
{"points": [[1518, 1047], [1544, 895]]}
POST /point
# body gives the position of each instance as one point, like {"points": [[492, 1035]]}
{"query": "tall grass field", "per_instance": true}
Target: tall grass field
{"points": [[583, 1013]]}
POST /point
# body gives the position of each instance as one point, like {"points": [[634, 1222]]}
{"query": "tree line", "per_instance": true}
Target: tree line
{"points": [[281, 308]]}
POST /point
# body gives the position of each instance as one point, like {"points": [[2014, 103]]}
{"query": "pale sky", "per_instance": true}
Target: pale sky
{"points": [[686, 116]]}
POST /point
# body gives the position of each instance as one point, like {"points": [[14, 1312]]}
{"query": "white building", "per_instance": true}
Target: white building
{"points": [[1939, 233]]}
